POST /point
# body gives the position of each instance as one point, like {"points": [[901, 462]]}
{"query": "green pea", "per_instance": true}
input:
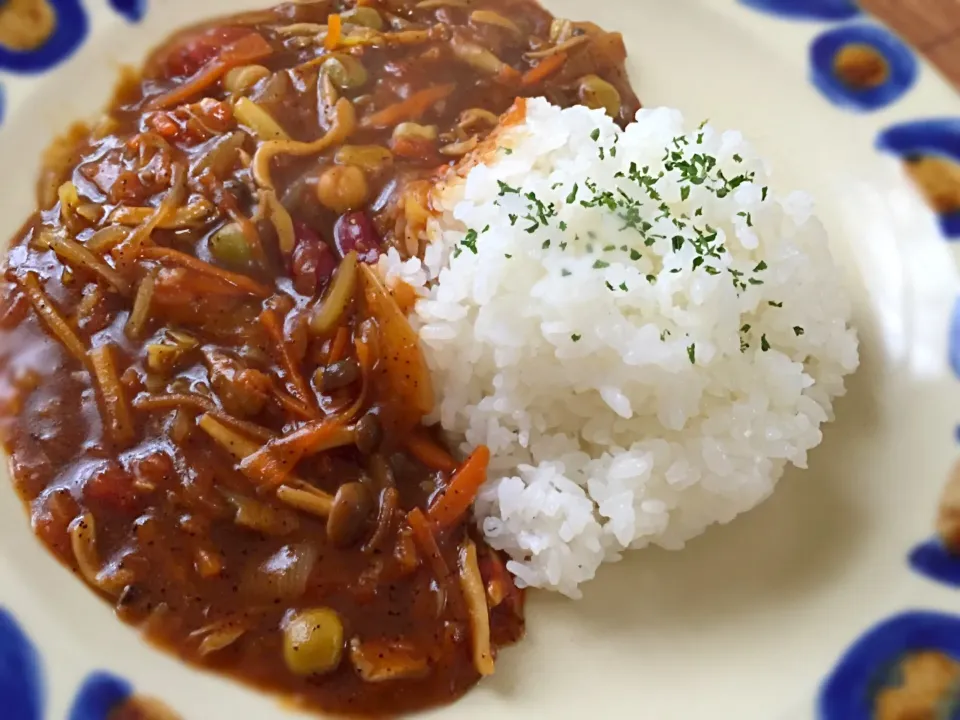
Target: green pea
{"points": [[229, 246], [346, 71], [313, 641], [597, 93], [365, 16]]}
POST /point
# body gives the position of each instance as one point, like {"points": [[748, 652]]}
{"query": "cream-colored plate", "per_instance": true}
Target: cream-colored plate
{"points": [[746, 621]]}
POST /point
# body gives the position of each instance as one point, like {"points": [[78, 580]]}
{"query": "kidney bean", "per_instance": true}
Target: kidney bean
{"points": [[355, 231], [313, 261]]}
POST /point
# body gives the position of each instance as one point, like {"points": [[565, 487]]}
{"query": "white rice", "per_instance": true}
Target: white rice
{"points": [[623, 399]]}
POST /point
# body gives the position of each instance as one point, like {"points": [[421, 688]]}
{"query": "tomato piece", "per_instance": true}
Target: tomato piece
{"points": [[114, 176], [247, 49], [192, 124], [197, 50], [52, 513], [414, 148], [112, 486]]}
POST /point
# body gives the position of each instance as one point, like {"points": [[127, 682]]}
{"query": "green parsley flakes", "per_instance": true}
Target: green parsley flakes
{"points": [[470, 241]]}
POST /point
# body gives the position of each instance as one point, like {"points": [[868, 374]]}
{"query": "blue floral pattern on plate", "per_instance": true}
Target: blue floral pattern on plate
{"points": [[862, 67], [99, 695], [69, 31], [807, 9], [933, 560], [933, 139], [132, 10], [21, 689], [849, 693], [21, 683]]}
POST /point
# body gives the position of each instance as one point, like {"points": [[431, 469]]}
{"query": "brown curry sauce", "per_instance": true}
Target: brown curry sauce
{"points": [[133, 326]]}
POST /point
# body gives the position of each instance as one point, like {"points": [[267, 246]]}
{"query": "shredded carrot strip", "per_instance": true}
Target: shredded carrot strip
{"points": [[509, 75], [317, 437], [236, 279], [51, 317], [271, 324], [366, 349], [248, 49], [241, 448], [405, 296], [462, 489], [427, 451], [272, 463], [544, 69], [312, 438], [412, 108], [289, 403], [339, 346], [424, 537], [267, 470], [334, 32]]}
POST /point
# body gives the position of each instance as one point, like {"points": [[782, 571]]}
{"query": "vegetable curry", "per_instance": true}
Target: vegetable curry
{"points": [[212, 404]]}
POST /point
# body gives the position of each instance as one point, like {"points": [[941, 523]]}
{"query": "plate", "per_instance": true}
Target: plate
{"points": [[757, 620]]}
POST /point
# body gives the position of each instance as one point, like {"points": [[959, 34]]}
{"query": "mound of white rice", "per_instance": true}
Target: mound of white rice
{"points": [[642, 330]]}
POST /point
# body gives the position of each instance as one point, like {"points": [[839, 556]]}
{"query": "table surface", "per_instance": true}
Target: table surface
{"points": [[932, 26]]}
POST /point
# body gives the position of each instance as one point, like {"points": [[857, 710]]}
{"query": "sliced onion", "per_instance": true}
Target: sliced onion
{"points": [[283, 575], [327, 314], [488, 17], [261, 122], [142, 303], [385, 660], [404, 365], [282, 222], [471, 585], [83, 541], [220, 635]]}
